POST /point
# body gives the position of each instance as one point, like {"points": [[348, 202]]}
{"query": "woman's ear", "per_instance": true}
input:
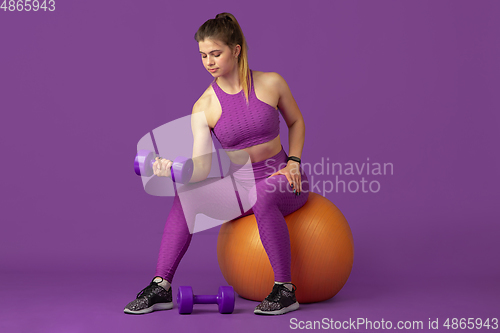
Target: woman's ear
{"points": [[237, 50]]}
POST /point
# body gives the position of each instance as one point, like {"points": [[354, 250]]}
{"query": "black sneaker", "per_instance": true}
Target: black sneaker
{"points": [[281, 300], [149, 299]]}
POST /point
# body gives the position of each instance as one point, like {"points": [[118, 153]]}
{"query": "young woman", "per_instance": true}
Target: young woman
{"points": [[241, 108]]}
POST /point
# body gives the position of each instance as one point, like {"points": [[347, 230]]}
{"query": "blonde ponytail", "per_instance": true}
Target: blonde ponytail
{"points": [[225, 27]]}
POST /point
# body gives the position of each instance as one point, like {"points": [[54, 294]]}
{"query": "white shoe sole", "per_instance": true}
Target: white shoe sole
{"points": [[289, 308], [154, 307]]}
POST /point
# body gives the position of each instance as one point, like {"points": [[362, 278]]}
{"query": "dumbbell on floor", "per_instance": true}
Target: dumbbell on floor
{"points": [[186, 299], [181, 169]]}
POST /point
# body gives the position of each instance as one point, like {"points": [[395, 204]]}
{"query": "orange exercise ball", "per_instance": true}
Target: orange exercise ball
{"points": [[322, 253]]}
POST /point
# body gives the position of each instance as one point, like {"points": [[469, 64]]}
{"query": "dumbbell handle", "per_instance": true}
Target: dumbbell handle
{"points": [[153, 162], [182, 167], [205, 299], [171, 166]]}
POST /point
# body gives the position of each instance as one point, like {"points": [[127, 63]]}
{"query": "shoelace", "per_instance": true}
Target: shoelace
{"points": [[148, 291], [275, 295]]}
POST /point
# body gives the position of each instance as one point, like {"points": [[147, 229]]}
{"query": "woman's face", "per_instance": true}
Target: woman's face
{"points": [[217, 57]]}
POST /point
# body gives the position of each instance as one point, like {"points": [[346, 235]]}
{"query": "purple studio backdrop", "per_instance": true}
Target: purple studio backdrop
{"points": [[412, 86]]}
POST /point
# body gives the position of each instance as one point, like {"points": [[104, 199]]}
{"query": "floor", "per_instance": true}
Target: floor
{"points": [[94, 301]]}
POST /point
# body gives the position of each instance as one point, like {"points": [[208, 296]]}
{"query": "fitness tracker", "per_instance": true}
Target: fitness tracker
{"points": [[293, 158]]}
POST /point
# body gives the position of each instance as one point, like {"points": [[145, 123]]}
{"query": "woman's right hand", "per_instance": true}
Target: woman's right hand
{"points": [[161, 167]]}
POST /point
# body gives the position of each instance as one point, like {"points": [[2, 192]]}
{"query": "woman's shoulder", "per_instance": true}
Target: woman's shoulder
{"points": [[204, 102], [268, 79]]}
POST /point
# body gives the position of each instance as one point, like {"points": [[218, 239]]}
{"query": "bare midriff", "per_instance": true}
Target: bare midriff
{"points": [[256, 153]]}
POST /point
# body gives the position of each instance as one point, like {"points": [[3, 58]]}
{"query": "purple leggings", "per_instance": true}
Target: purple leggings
{"points": [[273, 200]]}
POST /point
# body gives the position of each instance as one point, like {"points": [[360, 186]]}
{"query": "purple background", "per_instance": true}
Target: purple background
{"points": [[412, 83]]}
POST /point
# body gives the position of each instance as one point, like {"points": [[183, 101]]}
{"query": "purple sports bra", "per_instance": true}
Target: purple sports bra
{"points": [[243, 125]]}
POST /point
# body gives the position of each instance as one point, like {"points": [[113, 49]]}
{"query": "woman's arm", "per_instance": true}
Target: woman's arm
{"points": [[202, 145], [202, 148], [296, 128], [292, 115]]}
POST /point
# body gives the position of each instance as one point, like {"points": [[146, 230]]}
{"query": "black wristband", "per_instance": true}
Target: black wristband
{"points": [[293, 158]]}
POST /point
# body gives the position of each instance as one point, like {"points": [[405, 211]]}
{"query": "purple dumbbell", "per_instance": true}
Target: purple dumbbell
{"points": [[181, 170], [186, 299]]}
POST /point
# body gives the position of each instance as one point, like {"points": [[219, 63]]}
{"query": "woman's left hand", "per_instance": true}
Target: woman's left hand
{"points": [[292, 174]]}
